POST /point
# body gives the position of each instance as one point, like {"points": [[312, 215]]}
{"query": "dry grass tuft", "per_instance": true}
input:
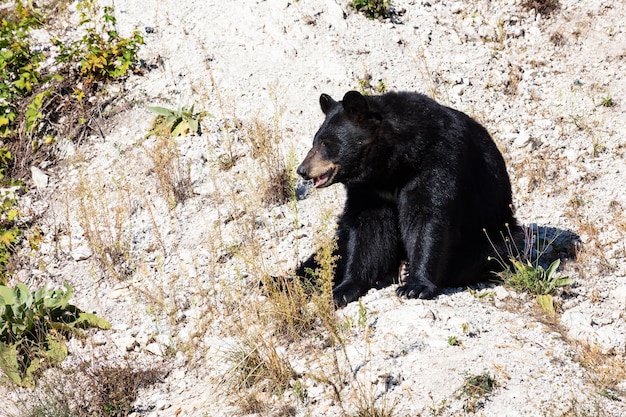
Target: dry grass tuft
{"points": [[264, 142], [89, 390], [605, 370], [543, 7], [172, 174], [103, 209], [256, 364]]}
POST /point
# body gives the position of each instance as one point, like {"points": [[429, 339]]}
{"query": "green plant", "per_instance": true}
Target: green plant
{"points": [[454, 341], [299, 389], [373, 9], [475, 389], [607, 101], [533, 278], [33, 329], [362, 322], [33, 100], [19, 64], [181, 121], [524, 270], [101, 53]]}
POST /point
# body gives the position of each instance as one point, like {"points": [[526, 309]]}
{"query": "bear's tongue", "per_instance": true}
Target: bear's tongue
{"points": [[323, 179], [320, 181]]}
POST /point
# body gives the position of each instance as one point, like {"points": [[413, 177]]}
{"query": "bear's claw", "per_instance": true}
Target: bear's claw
{"points": [[417, 290]]}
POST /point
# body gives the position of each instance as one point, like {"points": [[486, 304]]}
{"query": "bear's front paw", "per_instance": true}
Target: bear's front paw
{"points": [[417, 290], [346, 293]]}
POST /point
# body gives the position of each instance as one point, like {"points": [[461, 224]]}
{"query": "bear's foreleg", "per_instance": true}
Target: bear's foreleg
{"points": [[427, 239], [369, 239]]}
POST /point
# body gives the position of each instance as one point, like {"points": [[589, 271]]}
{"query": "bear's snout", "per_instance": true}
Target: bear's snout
{"points": [[303, 171]]}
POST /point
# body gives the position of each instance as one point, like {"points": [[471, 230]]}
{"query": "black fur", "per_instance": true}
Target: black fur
{"points": [[424, 183]]}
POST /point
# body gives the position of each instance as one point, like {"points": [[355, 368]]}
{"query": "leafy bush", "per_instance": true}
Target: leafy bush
{"points": [[19, 63], [41, 103], [101, 53], [34, 327]]}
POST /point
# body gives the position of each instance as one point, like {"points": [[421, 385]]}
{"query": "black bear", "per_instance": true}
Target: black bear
{"points": [[425, 184]]}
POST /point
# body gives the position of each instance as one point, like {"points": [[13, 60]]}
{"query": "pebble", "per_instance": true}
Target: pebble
{"points": [[40, 179]]}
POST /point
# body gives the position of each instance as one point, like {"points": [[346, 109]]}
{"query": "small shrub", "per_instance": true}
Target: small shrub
{"points": [[33, 329], [116, 388], [373, 9], [102, 217], [89, 390], [19, 63], [278, 179]]}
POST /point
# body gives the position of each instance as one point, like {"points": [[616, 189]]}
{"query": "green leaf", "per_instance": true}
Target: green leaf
{"points": [[181, 129], [9, 363], [162, 111], [561, 282], [7, 295], [24, 296], [91, 320], [546, 303], [193, 125], [57, 350], [552, 268]]}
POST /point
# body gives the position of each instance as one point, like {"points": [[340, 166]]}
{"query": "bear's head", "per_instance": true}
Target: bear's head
{"points": [[342, 142]]}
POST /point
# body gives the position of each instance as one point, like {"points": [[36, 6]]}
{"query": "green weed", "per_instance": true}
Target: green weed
{"points": [[373, 9], [607, 101], [33, 329], [523, 271], [454, 341], [475, 389], [182, 121], [9, 231]]}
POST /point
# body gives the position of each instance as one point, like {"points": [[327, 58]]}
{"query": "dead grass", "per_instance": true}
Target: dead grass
{"points": [[257, 364], [102, 210], [544, 7], [89, 390], [605, 370], [277, 178], [172, 173]]}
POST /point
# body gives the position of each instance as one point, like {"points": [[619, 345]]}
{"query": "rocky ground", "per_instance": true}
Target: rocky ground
{"points": [[181, 292]]}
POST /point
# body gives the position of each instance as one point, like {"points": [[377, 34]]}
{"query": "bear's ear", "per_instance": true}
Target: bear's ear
{"points": [[354, 103], [326, 103]]}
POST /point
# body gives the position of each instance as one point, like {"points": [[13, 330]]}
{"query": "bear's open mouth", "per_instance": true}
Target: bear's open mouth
{"points": [[326, 178]]}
